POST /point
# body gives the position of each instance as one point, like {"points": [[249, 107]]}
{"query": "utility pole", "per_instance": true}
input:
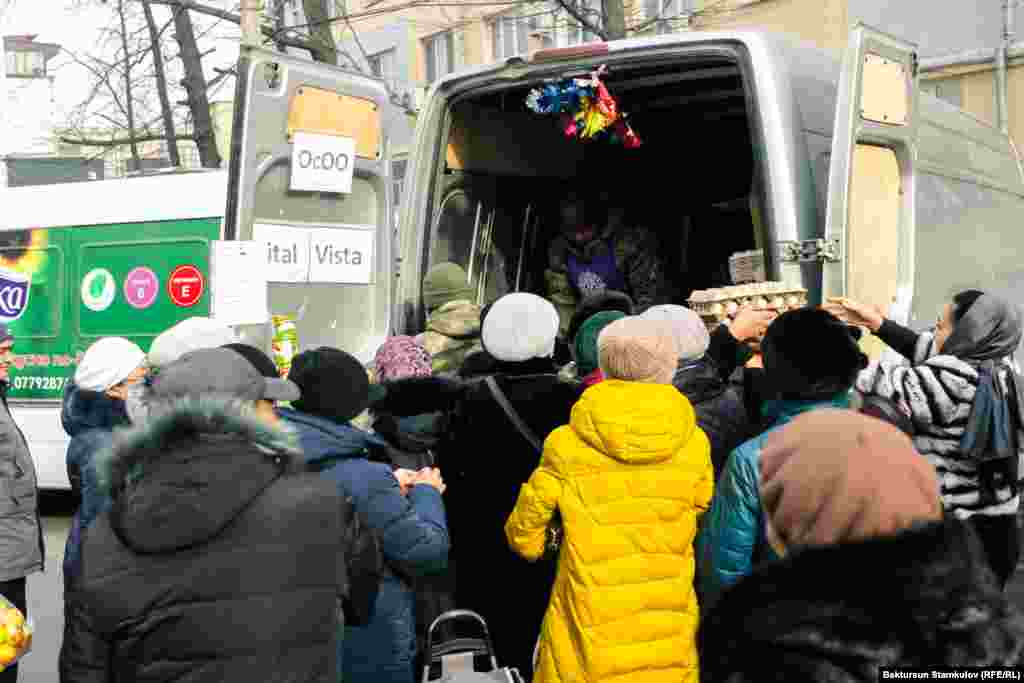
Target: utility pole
{"points": [[249, 11], [1002, 57]]}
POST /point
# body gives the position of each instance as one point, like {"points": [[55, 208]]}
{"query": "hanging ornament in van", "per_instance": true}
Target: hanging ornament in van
{"points": [[587, 109]]}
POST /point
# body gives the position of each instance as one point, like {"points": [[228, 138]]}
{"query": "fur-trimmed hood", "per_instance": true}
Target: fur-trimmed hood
{"points": [[185, 474], [924, 598]]}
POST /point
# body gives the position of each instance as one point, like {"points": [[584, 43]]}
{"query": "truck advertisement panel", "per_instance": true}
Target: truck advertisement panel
{"points": [[61, 289]]}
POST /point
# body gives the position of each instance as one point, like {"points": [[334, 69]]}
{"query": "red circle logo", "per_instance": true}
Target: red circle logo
{"points": [[185, 286]]}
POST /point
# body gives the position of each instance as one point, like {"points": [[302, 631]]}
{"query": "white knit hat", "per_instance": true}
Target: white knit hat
{"points": [[688, 330], [519, 327], [107, 363], [192, 334]]}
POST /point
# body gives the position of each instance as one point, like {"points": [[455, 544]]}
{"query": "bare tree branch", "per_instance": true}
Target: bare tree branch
{"points": [[573, 10], [128, 84], [161, 85], [120, 142], [195, 85], [199, 8]]}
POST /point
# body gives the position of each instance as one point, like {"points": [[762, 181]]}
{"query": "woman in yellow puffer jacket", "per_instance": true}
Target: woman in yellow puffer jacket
{"points": [[630, 476]]}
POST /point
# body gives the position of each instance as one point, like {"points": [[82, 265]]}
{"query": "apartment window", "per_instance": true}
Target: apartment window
{"points": [[668, 13], [26, 64], [382, 65], [946, 89], [439, 55], [510, 34]]}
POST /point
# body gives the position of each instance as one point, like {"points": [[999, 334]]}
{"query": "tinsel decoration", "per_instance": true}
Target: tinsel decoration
{"points": [[587, 110]]}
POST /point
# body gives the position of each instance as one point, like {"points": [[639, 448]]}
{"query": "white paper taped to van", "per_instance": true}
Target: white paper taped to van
{"points": [[899, 312], [342, 254]]}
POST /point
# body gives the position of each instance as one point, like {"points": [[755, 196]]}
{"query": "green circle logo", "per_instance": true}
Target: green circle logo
{"points": [[98, 289]]}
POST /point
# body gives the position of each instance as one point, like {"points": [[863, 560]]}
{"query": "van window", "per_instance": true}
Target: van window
{"points": [[482, 236]]}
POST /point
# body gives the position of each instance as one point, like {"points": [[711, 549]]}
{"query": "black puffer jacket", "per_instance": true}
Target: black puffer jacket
{"points": [[719, 408], [485, 462], [218, 561], [923, 598]]}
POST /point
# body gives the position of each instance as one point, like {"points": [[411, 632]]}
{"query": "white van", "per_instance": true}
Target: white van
{"points": [[848, 179], [851, 181]]}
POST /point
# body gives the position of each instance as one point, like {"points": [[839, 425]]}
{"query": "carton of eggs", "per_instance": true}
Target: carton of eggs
{"points": [[715, 305]]}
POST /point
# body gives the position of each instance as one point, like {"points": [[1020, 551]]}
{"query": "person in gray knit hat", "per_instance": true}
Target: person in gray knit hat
{"points": [[453, 322], [218, 546], [719, 406]]}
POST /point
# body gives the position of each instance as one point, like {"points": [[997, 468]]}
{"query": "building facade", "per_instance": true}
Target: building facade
{"points": [[410, 45], [27, 110]]}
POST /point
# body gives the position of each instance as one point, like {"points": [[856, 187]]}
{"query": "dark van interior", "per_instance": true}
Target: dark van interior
{"points": [[693, 181]]}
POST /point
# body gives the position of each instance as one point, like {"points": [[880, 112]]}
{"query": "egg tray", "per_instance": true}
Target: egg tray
{"points": [[716, 305]]}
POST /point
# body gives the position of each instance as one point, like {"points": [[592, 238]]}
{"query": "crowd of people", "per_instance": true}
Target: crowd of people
{"points": [[757, 502]]}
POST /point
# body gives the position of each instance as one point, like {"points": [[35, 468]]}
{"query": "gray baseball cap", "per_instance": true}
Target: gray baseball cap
{"points": [[220, 371]]}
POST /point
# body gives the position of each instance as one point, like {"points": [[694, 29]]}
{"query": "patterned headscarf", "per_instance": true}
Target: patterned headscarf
{"points": [[401, 357]]}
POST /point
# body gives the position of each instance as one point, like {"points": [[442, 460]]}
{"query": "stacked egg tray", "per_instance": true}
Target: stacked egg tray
{"points": [[716, 305]]}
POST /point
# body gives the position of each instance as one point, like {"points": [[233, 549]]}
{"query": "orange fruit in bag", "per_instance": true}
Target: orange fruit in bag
{"points": [[7, 654]]}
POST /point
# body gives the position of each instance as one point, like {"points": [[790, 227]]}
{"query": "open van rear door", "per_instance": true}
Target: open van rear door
{"points": [[309, 183], [868, 246]]}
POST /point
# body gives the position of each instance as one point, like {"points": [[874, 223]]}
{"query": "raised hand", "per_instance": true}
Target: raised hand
{"points": [[751, 323], [855, 313]]}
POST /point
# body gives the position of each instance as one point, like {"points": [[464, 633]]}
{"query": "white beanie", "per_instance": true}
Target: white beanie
{"points": [[689, 331], [107, 363], [519, 327], [192, 334]]}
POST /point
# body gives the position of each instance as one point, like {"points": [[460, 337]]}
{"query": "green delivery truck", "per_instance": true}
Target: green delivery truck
{"points": [[81, 261]]}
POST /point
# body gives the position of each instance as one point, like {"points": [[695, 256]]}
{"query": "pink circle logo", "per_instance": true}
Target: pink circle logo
{"points": [[141, 287]]}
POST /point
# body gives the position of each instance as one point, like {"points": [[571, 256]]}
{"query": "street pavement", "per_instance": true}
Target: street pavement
{"points": [[46, 595]]}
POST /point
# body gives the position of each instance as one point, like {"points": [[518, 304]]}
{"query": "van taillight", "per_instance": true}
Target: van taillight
{"points": [[561, 53]]}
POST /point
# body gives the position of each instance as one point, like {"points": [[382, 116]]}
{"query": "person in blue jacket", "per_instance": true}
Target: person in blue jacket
{"points": [[404, 508], [93, 406], [811, 361]]}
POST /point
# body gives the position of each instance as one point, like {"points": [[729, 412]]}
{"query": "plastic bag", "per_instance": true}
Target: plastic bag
{"points": [[15, 634], [285, 343]]}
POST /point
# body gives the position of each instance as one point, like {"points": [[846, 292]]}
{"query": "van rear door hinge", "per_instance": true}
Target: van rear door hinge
{"points": [[809, 250]]}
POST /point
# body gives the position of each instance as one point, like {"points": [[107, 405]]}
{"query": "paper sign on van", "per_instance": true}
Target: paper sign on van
{"points": [[341, 255], [322, 163], [287, 251]]}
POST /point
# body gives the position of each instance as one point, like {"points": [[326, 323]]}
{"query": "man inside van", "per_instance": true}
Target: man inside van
{"points": [[593, 254]]}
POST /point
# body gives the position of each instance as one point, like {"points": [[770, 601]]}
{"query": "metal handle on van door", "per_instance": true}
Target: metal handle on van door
{"points": [[810, 250]]}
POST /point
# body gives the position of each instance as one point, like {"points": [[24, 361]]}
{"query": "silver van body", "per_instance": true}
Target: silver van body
{"points": [[957, 196]]}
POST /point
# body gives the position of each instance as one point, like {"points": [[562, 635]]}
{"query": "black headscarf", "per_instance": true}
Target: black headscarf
{"points": [[987, 332]]}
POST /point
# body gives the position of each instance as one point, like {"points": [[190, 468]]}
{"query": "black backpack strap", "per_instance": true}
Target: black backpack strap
{"points": [[513, 416]]}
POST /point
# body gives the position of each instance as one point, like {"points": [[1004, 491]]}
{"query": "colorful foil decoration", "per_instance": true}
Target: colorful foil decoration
{"points": [[587, 110]]}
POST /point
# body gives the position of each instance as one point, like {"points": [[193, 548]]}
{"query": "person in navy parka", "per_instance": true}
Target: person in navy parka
{"points": [[408, 515], [92, 407]]}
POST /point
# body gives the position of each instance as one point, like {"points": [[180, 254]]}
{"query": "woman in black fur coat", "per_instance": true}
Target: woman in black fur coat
{"points": [[874, 575], [485, 459]]}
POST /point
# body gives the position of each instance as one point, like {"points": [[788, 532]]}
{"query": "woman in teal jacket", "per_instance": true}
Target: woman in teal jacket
{"points": [[811, 361]]}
